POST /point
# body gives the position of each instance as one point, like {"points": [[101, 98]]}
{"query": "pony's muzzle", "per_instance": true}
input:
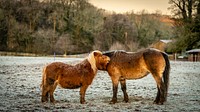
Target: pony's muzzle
{"points": [[108, 61]]}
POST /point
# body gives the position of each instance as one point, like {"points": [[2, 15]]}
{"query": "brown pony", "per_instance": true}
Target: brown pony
{"points": [[72, 77], [137, 65]]}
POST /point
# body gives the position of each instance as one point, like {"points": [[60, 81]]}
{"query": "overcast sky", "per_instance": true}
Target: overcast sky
{"points": [[121, 6]]}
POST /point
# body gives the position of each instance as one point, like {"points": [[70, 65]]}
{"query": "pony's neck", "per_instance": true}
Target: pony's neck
{"points": [[92, 62]]}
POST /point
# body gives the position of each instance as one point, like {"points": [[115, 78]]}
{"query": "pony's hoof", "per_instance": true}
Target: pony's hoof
{"points": [[44, 99], [54, 102], [83, 102], [126, 101], [158, 103], [113, 101]]}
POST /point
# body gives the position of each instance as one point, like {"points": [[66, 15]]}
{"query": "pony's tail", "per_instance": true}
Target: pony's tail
{"points": [[43, 78], [166, 73]]}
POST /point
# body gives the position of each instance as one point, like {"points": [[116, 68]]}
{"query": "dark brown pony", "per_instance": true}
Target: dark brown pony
{"points": [[72, 77], [137, 65]]}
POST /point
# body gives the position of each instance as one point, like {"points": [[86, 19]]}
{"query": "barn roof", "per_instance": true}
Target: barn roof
{"points": [[193, 51], [166, 41]]}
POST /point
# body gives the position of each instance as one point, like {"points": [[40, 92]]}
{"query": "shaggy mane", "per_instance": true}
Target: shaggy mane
{"points": [[92, 60]]}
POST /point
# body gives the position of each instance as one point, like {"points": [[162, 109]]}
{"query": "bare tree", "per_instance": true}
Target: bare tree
{"points": [[183, 8], [187, 24]]}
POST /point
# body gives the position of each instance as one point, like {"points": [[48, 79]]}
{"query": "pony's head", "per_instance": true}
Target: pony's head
{"points": [[98, 60]]}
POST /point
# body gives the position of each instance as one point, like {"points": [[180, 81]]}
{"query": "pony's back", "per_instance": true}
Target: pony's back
{"points": [[111, 53]]}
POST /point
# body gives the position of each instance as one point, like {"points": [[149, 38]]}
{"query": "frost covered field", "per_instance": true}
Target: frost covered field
{"points": [[20, 79]]}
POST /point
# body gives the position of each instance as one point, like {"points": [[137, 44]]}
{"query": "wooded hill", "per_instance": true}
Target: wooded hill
{"points": [[76, 26]]}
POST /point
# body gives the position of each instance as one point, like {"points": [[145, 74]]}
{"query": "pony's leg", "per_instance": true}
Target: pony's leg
{"points": [[45, 93], [52, 89], [82, 93], [115, 82], [123, 87], [162, 93], [160, 98]]}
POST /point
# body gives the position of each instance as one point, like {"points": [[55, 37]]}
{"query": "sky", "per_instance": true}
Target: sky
{"points": [[121, 6]]}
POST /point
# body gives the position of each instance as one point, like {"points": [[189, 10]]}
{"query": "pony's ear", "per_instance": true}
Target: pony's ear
{"points": [[96, 54]]}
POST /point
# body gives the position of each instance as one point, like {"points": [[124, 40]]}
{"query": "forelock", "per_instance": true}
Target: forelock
{"points": [[92, 60], [97, 51]]}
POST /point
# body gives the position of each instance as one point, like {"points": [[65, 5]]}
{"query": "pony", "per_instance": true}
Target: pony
{"points": [[68, 76], [128, 65]]}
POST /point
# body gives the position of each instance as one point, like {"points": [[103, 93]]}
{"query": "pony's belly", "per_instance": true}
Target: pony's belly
{"points": [[135, 74], [69, 84]]}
